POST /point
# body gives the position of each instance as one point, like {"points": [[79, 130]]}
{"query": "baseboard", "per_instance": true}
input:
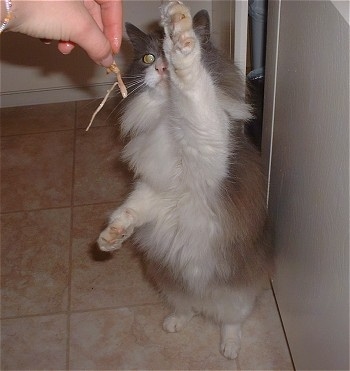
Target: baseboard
{"points": [[52, 95]]}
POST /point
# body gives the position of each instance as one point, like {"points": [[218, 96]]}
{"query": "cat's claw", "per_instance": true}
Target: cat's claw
{"points": [[121, 228]]}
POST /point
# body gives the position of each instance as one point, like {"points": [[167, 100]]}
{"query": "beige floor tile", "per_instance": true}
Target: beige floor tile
{"points": [[36, 119], [99, 279], [34, 262], [263, 343], [34, 343], [36, 171], [116, 314], [107, 116], [132, 338], [100, 176]]}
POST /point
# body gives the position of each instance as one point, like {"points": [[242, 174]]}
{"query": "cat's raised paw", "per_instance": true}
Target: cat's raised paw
{"points": [[117, 231], [176, 17], [177, 22]]}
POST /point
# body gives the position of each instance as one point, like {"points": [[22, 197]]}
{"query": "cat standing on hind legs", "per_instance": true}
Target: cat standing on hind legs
{"points": [[197, 211]]}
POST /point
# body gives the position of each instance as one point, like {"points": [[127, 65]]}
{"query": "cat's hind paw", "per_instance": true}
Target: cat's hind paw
{"points": [[230, 348], [230, 340], [121, 228], [175, 322]]}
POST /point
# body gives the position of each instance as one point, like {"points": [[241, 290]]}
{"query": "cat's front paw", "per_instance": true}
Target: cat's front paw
{"points": [[121, 228], [177, 22], [176, 17]]}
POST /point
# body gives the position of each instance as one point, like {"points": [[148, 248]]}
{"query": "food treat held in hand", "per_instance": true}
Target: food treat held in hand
{"points": [[112, 68]]}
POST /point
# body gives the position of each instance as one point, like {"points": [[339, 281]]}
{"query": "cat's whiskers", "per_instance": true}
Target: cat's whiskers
{"points": [[137, 87], [138, 83], [134, 83]]}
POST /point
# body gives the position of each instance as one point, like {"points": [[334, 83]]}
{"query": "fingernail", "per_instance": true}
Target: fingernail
{"points": [[107, 61], [68, 47], [116, 45]]}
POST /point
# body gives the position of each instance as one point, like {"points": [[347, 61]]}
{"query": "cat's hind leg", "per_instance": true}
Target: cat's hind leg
{"points": [[183, 310], [230, 342], [230, 308], [175, 322]]}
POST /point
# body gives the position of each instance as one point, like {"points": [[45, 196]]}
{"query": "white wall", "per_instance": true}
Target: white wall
{"points": [[307, 111], [34, 73]]}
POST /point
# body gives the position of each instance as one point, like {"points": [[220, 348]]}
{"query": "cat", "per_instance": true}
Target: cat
{"points": [[197, 210]]}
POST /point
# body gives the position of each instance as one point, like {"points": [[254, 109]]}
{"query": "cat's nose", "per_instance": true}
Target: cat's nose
{"points": [[161, 67]]}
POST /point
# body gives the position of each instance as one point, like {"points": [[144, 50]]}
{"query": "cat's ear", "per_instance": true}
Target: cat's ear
{"points": [[136, 36], [201, 25]]}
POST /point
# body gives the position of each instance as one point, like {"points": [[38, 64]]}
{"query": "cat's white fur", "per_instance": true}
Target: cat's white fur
{"points": [[179, 150]]}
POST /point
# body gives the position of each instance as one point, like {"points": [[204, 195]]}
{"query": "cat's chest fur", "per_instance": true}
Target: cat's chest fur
{"points": [[178, 142]]}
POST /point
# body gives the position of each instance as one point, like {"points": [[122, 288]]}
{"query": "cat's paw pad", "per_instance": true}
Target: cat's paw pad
{"points": [[176, 17], [177, 22], [175, 323], [121, 228], [230, 348]]}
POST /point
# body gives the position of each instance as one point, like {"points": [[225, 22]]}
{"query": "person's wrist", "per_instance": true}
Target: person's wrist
{"points": [[6, 14]]}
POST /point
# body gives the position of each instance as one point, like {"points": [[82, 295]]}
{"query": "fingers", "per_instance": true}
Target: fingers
{"points": [[96, 45], [94, 25], [108, 17], [111, 13]]}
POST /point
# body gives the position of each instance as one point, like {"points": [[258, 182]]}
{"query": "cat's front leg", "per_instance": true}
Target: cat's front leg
{"points": [[140, 207], [181, 45], [121, 227]]}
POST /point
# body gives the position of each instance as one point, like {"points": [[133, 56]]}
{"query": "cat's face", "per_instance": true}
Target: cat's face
{"points": [[149, 66]]}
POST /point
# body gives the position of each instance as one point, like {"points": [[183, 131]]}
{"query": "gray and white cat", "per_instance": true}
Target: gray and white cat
{"points": [[197, 210]]}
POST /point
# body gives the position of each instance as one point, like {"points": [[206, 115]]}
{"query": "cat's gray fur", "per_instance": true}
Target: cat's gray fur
{"points": [[198, 208]]}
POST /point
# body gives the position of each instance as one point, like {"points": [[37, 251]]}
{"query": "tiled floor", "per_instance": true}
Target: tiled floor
{"points": [[65, 305]]}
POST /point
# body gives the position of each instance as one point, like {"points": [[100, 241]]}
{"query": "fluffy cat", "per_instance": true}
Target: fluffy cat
{"points": [[197, 210]]}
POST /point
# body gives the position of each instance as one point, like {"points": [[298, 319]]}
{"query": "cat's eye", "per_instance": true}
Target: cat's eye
{"points": [[148, 58]]}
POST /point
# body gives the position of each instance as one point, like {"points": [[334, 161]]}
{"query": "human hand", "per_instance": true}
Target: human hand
{"points": [[95, 25]]}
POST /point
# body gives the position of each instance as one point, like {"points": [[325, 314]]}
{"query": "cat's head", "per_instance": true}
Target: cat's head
{"points": [[150, 68]]}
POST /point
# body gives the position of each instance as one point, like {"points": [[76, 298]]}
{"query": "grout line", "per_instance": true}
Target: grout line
{"points": [[37, 133], [79, 311], [115, 307], [35, 315], [61, 207], [70, 257], [31, 210]]}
